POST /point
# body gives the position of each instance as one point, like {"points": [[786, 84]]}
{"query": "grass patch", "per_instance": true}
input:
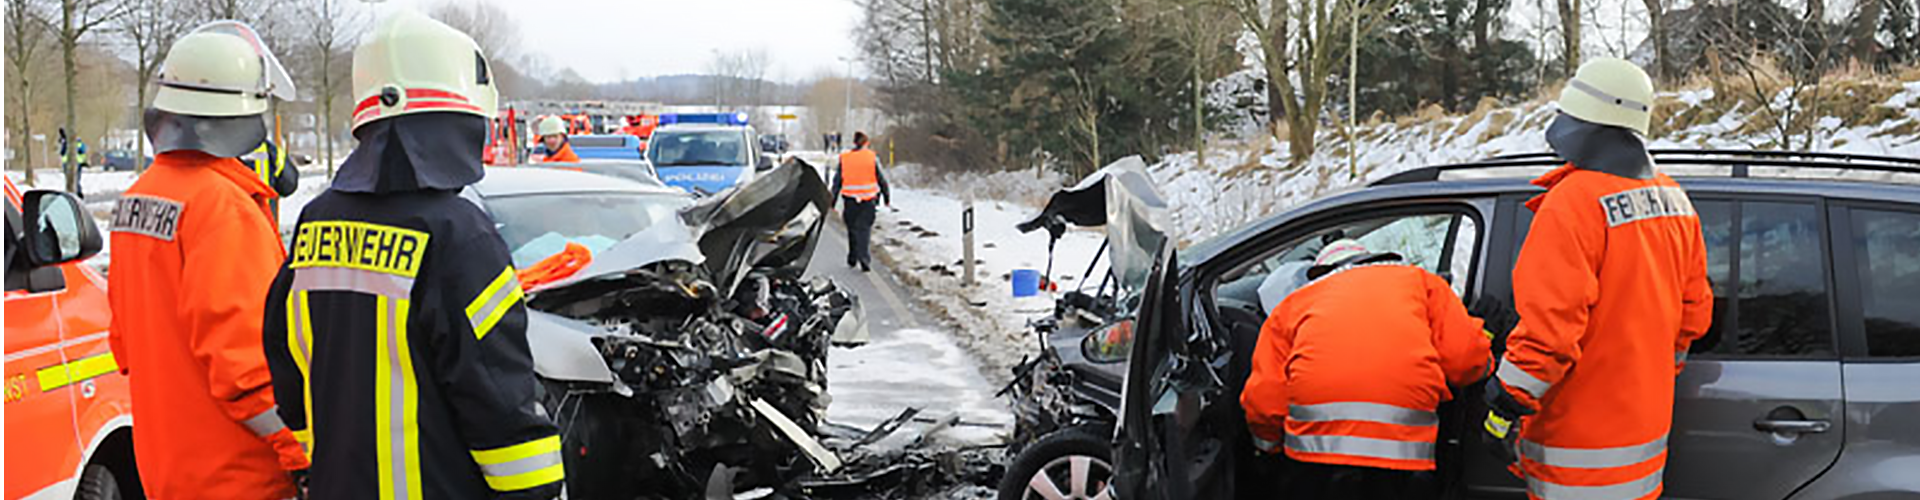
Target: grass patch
{"points": [[1496, 125]]}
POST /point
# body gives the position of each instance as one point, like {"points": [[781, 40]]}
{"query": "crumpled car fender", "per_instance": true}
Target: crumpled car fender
{"points": [[563, 349]]}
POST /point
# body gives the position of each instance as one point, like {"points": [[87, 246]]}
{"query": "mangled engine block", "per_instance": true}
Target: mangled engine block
{"points": [[701, 381]]}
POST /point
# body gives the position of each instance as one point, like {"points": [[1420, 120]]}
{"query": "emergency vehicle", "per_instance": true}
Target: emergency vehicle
{"points": [[705, 153], [69, 425]]}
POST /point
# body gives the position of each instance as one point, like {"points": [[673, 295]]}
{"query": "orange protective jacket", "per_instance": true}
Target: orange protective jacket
{"points": [[564, 155], [1611, 286], [1353, 365], [859, 177], [194, 250]]}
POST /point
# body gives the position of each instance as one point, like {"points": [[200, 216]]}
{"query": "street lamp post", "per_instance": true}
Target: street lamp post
{"points": [[846, 116]]}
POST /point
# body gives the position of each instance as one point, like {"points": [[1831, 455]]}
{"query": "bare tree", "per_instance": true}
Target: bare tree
{"points": [[1792, 110], [1296, 43], [490, 26], [1569, 35], [1657, 34], [26, 31], [331, 28], [77, 18], [150, 28]]}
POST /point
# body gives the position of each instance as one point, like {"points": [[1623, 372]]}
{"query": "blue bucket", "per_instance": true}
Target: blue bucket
{"points": [[1026, 282]]}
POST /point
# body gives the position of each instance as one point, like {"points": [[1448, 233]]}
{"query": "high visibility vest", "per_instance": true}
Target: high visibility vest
{"points": [[859, 174], [1350, 368], [1612, 289]]}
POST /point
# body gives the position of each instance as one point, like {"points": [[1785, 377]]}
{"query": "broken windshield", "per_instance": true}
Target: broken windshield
{"points": [[537, 226]]}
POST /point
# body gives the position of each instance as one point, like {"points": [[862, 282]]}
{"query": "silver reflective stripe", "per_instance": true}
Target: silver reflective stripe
{"points": [[297, 305], [1361, 447], [1264, 445], [1593, 458], [1680, 357], [1610, 98], [504, 296], [266, 423], [1629, 490], [522, 466], [397, 397], [1369, 412], [1517, 378], [346, 279]]}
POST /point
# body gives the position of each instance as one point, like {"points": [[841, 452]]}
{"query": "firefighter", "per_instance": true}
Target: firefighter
{"points": [[1611, 288], [553, 134], [194, 251], [396, 330], [859, 183], [1349, 370], [269, 161]]}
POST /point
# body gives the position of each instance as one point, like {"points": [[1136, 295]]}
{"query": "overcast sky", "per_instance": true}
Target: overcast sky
{"points": [[607, 40]]}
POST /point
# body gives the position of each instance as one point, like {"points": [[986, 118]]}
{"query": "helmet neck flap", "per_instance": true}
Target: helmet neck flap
{"points": [[1600, 148], [222, 136], [415, 152]]}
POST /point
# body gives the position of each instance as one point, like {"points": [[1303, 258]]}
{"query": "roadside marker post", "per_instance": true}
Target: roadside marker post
{"points": [[966, 243]]}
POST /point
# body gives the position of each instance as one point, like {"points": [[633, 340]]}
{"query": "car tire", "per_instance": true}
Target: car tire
{"points": [[97, 482], [1051, 463]]}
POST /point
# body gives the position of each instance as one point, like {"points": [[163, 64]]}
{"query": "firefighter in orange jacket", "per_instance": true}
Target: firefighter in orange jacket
{"points": [[1611, 287], [194, 251], [553, 135], [860, 184], [1349, 370]]}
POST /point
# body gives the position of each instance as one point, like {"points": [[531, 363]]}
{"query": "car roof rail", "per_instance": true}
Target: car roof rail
{"points": [[1738, 163]]}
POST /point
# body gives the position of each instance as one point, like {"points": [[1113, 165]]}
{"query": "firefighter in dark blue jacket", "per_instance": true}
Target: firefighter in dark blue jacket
{"points": [[396, 332]]}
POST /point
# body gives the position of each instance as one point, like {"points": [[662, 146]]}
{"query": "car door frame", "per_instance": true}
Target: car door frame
{"points": [[1193, 311]]}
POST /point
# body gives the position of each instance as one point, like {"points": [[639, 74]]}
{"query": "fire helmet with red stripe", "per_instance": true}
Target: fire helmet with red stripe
{"points": [[414, 64]]}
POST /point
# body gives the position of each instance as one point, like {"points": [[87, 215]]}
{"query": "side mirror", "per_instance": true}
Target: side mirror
{"points": [[765, 163], [1109, 344], [301, 160], [58, 229]]}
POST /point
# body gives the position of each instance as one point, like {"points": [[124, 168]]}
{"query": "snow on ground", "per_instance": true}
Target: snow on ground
{"points": [[921, 238]]}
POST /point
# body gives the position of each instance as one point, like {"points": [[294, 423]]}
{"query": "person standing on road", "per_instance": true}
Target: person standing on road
{"points": [[194, 250], [1349, 370], [1611, 288], [396, 330], [858, 183], [553, 135]]}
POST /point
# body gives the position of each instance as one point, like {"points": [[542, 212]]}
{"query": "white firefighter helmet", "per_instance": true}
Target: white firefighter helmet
{"points": [[414, 64], [1610, 91], [220, 69], [549, 125]]}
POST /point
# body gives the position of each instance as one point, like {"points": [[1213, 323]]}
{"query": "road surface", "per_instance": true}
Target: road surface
{"points": [[911, 360]]}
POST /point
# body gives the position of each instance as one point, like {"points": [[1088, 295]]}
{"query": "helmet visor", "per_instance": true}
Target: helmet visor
{"points": [[274, 80]]}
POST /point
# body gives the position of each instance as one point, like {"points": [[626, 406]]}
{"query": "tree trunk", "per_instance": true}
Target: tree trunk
{"points": [[26, 123], [1570, 35], [326, 106], [1864, 30], [1450, 60], [68, 40], [1199, 110], [1656, 15]]}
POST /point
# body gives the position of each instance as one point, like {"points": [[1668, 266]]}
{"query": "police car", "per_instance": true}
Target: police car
{"points": [[706, 153]]}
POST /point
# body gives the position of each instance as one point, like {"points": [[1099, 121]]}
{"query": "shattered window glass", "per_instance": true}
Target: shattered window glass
{"points": [[538, 226]]}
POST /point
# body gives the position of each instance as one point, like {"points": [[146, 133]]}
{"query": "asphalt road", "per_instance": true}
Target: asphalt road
{"points": [[910, 362]]}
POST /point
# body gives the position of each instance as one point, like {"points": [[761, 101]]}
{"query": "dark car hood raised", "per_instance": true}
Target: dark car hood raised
{"points": [[1122, 198]]}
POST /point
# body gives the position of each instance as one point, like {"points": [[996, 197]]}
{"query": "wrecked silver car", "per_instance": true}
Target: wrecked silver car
{"points": [[688, 357]]}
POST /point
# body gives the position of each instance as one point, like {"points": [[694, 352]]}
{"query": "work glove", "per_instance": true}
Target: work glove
{"points": [[1504, 414]]}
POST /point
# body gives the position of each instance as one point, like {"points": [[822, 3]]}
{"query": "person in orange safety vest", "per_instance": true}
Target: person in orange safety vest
{"points": [[859, 184], [1349, 370], [1611, 288], [553, 135], [195, 249]]}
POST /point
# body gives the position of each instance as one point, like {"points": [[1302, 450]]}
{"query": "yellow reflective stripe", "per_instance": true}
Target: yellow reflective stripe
{"points": [[62, 375], [498, 456], [300, 344], [396, 402], [411, 412], [493, 302], [526, 480]]}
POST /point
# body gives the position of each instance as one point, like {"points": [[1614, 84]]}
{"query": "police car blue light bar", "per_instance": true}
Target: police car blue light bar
{"points": [[715, 118]]}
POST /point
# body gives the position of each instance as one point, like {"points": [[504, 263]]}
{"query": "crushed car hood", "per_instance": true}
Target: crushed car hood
{"points": [[1122, 198], [772, 222]]}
